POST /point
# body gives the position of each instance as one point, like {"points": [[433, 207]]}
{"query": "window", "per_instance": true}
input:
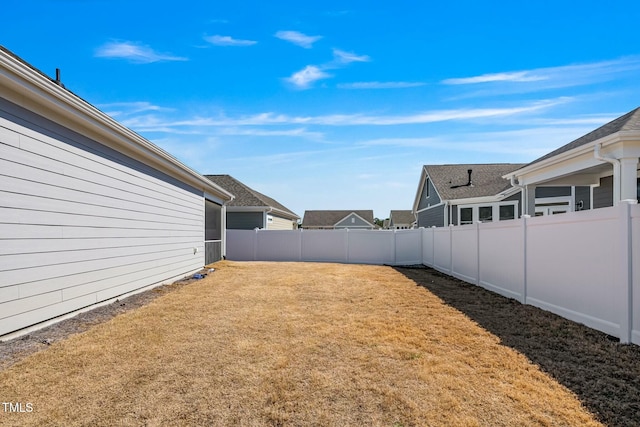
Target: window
{"points": [[485, 213], [466, 216], [212, 221], [507, 212], [426, 189], [502, 211]]}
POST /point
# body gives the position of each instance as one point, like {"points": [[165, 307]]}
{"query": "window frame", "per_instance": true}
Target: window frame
{"points": [[495, 211]]}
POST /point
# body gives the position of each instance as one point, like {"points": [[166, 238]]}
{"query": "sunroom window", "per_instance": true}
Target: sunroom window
{"points": [[485, 213], [466, 216]]}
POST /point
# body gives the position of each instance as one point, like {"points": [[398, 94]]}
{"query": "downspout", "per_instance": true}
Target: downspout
{"points": [[616, 171], [523, 196]]}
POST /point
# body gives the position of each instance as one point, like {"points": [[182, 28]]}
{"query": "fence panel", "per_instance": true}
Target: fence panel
{"points": [[278, 245], [324, 245], [408, 247], [571, 266], [428, 250], [241, 245], [371, 247], [635, 252], [501, 248], [464, 252], [442, 243]]}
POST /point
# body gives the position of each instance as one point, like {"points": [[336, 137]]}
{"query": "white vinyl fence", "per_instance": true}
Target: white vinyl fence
{"points": [[584, 266], [344, 246]]}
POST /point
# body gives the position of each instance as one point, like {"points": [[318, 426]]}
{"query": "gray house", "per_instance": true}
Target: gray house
{"points": [[602, 165], [464, 194], [338, 219], [251, 209], [89, 210], [401, 220]]}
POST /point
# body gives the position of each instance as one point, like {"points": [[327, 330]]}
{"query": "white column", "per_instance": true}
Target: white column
{"points": [[628, 178]]}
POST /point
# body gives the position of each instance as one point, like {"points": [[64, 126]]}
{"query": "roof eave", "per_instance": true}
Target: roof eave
{"points": [[25, 86], [577, 151]]}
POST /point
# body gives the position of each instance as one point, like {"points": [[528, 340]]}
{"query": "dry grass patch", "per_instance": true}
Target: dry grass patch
{"points": [[288, 344]]}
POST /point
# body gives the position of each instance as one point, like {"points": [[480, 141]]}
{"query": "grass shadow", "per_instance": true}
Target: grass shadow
{"points": [[604, 374]]}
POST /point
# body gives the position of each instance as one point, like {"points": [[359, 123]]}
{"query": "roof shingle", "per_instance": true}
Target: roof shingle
{"points": [[486, 179], [248, 197]]}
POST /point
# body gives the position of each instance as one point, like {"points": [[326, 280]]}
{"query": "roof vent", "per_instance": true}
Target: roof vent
{"points": [[57, 81]]}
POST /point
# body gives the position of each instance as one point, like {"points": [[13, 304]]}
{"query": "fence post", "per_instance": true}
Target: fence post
{"points": [[451, 249], [300, 246], [346, 244], [478, 253], [395, 247], [625, 271], [255, 244], [525, 224], [433, 245]]}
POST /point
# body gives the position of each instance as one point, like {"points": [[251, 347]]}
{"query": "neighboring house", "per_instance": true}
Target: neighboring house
{"points": [[603, 164], [89, 210], [251, 209], [464, 194], [338, 219], [401, 220]]}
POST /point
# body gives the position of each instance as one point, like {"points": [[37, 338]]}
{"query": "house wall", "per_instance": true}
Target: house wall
{"points": [[603, 194], [583, 194], [432, 217], [279, 223], [353, 221], [244, 220], [81, 223], [432, 198]]}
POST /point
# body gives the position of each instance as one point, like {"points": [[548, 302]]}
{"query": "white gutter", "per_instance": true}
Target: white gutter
{"points": [[34, 91], [616, 171]]}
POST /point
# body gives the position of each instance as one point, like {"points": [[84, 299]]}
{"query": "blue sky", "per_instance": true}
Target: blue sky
{"points": [[337, 105]]}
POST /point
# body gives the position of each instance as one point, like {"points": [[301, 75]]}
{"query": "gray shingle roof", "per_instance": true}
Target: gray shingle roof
{"points": [[402, 217], [248, 197], [330, 218], [486, 178], [629, 121]]}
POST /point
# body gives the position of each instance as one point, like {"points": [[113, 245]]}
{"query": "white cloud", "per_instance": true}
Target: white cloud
{"points": [[343, 57], [307, 76], [521, 76], [557, 77], [228, 41], [134, 52], [379, 85], [152, 123], [298, 38], [115, 109]]}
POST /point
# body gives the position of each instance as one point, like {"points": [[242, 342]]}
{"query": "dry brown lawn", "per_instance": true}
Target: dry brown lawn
{"points": [[296, 344]]}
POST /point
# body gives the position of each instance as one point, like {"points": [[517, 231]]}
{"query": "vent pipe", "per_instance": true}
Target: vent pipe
{"points": [[58, 81]]}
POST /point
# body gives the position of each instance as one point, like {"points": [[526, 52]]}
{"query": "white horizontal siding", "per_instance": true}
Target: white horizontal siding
{"points": [[80, 223]]}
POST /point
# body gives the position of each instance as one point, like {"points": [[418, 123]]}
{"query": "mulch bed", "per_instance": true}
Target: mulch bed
{"points": [[604, 374], [18, 348]]}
